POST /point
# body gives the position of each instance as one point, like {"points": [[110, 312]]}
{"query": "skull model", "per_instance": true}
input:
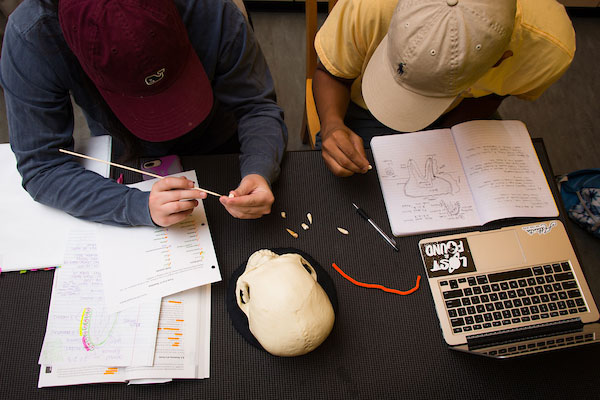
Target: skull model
{"points": [[288, 312]]}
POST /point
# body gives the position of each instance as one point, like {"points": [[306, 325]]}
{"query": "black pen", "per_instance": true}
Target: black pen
{"points": [[363, 214]]}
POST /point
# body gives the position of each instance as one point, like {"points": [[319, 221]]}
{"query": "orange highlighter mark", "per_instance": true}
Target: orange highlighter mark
{"points": [[376, 286], [110, 371]]}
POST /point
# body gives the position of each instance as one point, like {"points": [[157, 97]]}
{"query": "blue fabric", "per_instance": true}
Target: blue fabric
{"points": [[580, 193], [39, 75]]}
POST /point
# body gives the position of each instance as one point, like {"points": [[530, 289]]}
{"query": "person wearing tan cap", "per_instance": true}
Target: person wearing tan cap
{"points": [[389, 66]]}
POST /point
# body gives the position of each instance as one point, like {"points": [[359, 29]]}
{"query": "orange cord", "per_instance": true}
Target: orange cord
{"points": [[375, 286]]}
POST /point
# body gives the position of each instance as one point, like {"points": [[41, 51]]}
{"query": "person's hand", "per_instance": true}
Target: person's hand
{"points": [[343, 151], [252, 198], [165, 203]]}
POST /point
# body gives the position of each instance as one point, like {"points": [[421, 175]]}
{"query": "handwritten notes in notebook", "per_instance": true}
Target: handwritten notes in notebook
{"points": [[474, 173], [141, 263]]}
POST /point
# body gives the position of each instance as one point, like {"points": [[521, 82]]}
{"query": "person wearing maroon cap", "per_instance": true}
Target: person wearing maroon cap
{"points": [[161, 77]]}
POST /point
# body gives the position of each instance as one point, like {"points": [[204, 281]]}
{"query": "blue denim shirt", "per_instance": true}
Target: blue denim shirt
{"points": [[40, 75]]}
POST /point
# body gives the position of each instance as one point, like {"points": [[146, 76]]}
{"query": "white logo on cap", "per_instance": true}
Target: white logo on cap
{"points": [[156, 77]]}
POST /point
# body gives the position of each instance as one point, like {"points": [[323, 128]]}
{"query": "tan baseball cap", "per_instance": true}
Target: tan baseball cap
{"points": [[433, 51]]}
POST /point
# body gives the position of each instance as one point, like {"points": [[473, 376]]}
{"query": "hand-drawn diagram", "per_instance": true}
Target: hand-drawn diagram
{"points": [[432, 183], [427, 187], [102, 328], [452, 207]]}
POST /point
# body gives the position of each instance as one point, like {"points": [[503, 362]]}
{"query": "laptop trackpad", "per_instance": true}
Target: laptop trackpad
{"points": [[495, 250]]}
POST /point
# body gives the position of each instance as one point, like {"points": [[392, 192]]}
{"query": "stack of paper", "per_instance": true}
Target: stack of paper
{"points": [[36, 223], [132, 304]]}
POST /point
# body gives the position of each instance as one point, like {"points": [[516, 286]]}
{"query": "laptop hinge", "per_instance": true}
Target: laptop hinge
{"points": [[524, 333]]}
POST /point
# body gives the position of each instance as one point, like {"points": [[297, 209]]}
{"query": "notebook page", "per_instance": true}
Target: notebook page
{"points": [[422, 181], [503, 170]]}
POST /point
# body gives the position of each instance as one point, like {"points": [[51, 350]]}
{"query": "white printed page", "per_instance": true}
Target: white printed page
{"points": [[27, 223], [182, 347], [503, 170], [140, 263], [181, 343], [64, 376], [80, 331], [422, 181]]}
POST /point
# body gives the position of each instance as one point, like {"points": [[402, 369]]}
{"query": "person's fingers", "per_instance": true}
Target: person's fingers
{"points": [[247, 207], [179, 195], [344, 153], [172, 219], [174, 207], [361, 157], [173, 183], [253, 198], [243, 215], [334, 167]]}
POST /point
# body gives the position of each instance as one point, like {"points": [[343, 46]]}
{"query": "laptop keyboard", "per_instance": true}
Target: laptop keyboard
{"points": [[500, 300]]}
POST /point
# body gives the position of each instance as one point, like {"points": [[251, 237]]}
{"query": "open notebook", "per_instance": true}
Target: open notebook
{"points": [[512, 291], [474, 173]]}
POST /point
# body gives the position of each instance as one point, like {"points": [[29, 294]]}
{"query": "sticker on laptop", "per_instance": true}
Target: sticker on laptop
{"points": [[540, 229], [447, 257]]}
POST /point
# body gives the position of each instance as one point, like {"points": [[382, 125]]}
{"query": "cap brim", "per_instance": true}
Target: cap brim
{"points": [[170, 113], [391, 103]]}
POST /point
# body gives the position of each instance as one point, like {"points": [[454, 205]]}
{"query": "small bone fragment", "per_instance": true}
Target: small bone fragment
{"points": [[291, 232], [304, 226], [342, 230], [309, 216], [283, 214]]}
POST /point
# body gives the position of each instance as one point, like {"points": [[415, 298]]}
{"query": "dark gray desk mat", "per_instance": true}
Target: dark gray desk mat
{"points": [[382, 345]]}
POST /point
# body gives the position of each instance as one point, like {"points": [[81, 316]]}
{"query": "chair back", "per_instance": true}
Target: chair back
{"points": [[310, 122]]}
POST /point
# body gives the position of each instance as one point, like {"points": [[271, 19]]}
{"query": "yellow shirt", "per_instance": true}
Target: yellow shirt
{"points": [[543, 45]]}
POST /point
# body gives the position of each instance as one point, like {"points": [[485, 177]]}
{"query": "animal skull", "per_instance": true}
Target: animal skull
{"points": [[288, 312]]}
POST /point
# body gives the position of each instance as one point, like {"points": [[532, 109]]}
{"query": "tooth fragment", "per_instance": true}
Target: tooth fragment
{"points": [[342, 230], [291, 232], [309, 216], [304, 226]]}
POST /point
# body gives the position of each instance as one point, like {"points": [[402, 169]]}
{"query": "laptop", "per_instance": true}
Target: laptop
{"points": [[511, 291]]}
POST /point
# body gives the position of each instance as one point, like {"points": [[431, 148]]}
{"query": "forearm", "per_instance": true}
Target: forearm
{"points": [[84, 194], [243, 84], [263, 138], [471, 109], [332, 96]]}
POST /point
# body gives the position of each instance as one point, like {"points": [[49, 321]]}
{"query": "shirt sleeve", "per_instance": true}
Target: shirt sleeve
{"points": [[351, 33], [243, 84], [40, 121]]}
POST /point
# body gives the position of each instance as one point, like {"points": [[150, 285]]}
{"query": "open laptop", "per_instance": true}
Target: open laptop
{"points": [[512, 291]]}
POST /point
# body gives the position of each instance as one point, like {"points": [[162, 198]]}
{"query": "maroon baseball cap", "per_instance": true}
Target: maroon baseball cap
{"points": [[139, 56]]}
